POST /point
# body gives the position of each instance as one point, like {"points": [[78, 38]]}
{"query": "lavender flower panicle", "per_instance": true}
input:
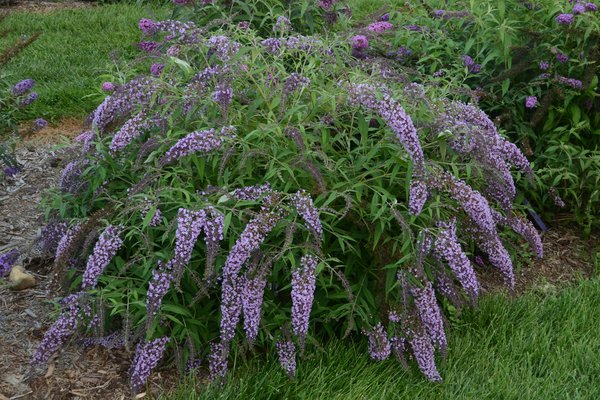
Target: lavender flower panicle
{"points": [[62, 329], [287, 357], [524, 228], [303, 293], [430, 314], [7, 260], [448, 248], [105, 249], [424, 354], [249, 241], [417, 196], [22, 87], [218, 361], [379, 345], [305, 207], [158, 287], [251, 193], [252, 298], [147, 356], [199, 141], [394, 115]]}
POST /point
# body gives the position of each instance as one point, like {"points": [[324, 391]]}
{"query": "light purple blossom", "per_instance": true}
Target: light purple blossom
{"points": [[29, 99], [417, 196], [108, 87], [217, 361], [156, 69], [359, 42], [448, 248], [22, 87], [303, 292], [424, 354], [562, 58], [380, 27], [531, 102], [591, 7], [524, 228], [158, 287], [379, 345], [564, 19], [62, 329], [578, 9], [430, 314], [223, 95], [148, 47], [147, 356], [287, 357], [394, 115], [252, 298], [294, 82], [105, 249], [251, 193], [544, 65], [40, 123], [249, 241], [147, 26], [7, 260], [282, 25], [305, 207], [574, 83], [224, 47], [195, 142]]}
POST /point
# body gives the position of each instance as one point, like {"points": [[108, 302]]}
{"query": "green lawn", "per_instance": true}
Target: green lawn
{"points": [[72, 53], [535, 347]]}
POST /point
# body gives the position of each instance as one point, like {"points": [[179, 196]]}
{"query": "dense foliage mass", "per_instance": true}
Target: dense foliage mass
{"points": [[531, 66], [270, 191]]}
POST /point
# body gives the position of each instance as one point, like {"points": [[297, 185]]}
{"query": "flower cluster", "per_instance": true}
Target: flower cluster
{"points": [[282, 25], [425, 356], [147, 356], [564, 19], [251, 193], [105, 249], [574, 83], [305, 207], [252, 298], [359, 42], [430, 314], [7, 260], [379, 345], [531, 102], [448, 248], [51, 235], [195, 142], [294, 82], [249, 241], [303, 292], [471, 65], [62, 329], [380, 26], [287, 357]]}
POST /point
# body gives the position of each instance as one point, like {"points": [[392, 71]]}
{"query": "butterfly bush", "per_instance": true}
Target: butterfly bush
{"points": [[261, 170]]}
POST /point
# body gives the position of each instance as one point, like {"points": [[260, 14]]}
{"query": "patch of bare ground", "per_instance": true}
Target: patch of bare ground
{"points": [[42, 6], [568, 257]]}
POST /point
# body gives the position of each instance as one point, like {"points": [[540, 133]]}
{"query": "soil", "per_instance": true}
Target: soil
{"points": [[96, 373], [41, 6]]}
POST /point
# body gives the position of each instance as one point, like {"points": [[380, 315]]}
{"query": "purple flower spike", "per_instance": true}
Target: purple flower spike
{"points": [[108, 87], [591, 7], [303, 292], [430, 314], [105, 249], [156, 69], [564, 19], [562, 58], [62, 329], [147, 356], [417, 197], [7, 260], [147, 26], [305, 207], [544, 65], [195, 142], [379, 345], [359, 42], [287, 357], [252, 298], [448, 248], [217, 361], [425, 355], [380, 27], [531, 102], [578, 9], [22, 87]]}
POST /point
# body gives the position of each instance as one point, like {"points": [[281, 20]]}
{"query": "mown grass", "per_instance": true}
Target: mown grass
{"points": [[539, 346], [73, 51]]}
